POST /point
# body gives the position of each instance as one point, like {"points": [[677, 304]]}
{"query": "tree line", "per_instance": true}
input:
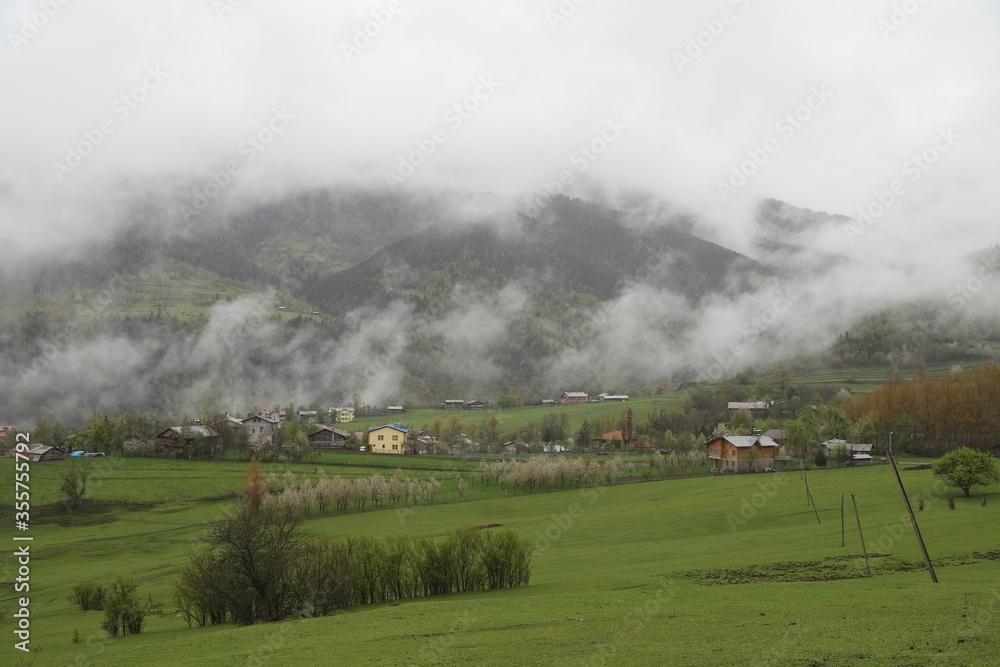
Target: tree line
{"points": [[258, 566]]}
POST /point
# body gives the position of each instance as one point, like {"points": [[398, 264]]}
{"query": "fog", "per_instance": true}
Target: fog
{"points": [[881, 111]]}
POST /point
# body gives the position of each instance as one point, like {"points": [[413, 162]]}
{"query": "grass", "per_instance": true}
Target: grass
{"points": [[516, 418], [865, 379], [641, 573]]}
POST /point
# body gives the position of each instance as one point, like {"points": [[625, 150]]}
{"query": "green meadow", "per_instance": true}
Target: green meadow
{"points": [[733, 570], [516, 418]]}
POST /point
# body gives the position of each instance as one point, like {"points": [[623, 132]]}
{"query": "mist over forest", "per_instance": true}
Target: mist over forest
{"points": [[222, 207]]}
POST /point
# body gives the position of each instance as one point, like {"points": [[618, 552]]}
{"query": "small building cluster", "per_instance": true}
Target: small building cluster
{"points": [[861, 453]]}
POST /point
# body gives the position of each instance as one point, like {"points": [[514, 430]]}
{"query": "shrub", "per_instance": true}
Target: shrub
{"points": [[88, 595], [124, 612]]}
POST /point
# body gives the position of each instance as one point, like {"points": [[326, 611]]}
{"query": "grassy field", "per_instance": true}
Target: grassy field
{"points": [[865, 379], [705, 571], [515, 418]]}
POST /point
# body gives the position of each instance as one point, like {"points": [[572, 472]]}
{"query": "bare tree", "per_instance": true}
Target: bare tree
{"points": [[74, 483]]}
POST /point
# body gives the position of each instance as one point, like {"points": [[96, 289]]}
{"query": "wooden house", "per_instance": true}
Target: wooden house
{"points": [[38, 452], [454, 404], [755, 408], [328, 437], [742, 453], [181, 438], [574, 398]]}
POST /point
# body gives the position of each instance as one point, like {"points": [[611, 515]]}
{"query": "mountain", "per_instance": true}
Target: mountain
{"points": [[574, 247], [402, 298]]}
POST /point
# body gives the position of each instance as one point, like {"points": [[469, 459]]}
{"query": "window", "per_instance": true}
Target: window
{"points": [[394, 447], [381, 437], [395, 438]]}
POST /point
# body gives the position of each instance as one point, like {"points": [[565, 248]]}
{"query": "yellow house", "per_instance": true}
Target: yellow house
{"points": [[344, 415], [389, 439]]}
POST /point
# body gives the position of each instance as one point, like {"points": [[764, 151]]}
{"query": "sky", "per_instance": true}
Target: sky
{"points": [[880, 110], [708, 105]]}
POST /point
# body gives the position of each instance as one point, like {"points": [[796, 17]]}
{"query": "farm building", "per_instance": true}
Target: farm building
{"points": [[755, 408], [180, 438], [860, 451], [574, 398], [388, 439], [394, 409], [306, 415], [39, 452], [742, 453], [613, 398], [454, 404], [328, 437], [475, 405]]}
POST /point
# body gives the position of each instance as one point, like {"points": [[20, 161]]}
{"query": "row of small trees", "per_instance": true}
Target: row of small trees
{"points": [[258, 567], [541, 472], [327, 494]]}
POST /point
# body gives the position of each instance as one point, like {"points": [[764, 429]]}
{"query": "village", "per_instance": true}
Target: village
{"points": [[329, 430]]}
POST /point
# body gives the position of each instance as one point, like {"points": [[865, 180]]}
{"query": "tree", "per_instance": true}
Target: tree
{"points": [[966, 467], [124, 612], [584, 437], [74, 483], [257, 546]]}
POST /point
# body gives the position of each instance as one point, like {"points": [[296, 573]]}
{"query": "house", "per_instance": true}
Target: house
{"points": [[328, 437], [548, 402], [343, 415], [852, 447], [4, 430], [275, 413], [776, 434], [742, 453], [39, 452], [394, 409], [259, 427], [574, 398], [475, 405], [755, 408], [180, 438], [388, 439], [613, 398], [454, 404], [615, 438], [308, 416], [861, 460]]}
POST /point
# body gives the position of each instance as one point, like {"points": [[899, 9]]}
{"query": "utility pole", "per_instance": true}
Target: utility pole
{"points": [[913, 518]]}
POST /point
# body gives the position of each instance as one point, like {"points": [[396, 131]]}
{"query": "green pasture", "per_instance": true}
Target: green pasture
{"points": [[515, 418], [721, 571]]}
